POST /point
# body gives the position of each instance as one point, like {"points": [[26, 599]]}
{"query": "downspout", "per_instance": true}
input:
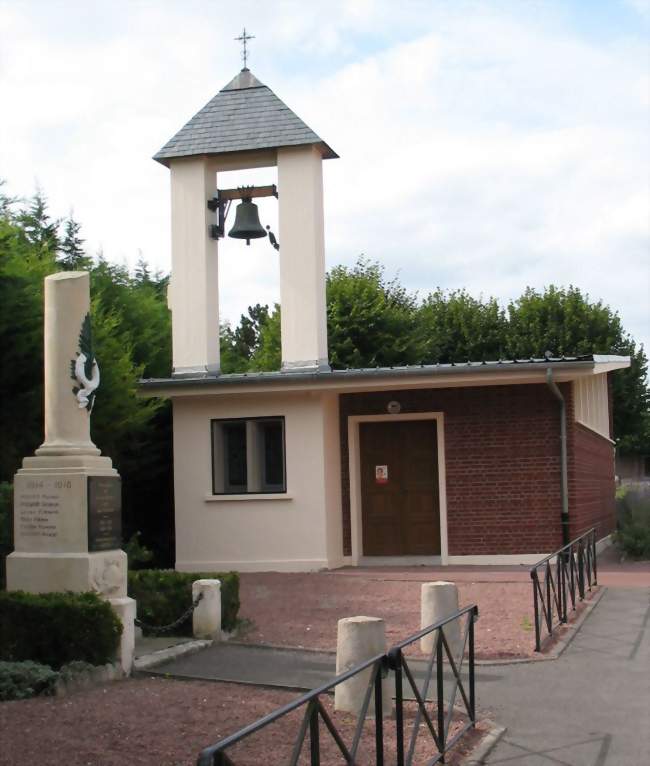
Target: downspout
{"points": [[563, 456]]}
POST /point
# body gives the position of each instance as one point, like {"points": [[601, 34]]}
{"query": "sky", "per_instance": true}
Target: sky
{"points": [[484, 144]]}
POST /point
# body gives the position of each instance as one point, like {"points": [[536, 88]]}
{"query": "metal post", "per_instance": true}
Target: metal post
{"points": [[399, 709], [538, 641], [595, 557], [379, 717], [563, 593], [558, 580], [314, 741], [472, 696], [549, 600], [581, 572], [440, 695], [572, 576]]}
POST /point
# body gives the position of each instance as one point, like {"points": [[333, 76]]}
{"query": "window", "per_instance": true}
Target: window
{"points": [[248, 456]]}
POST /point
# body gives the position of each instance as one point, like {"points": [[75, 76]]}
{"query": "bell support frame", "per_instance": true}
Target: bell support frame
{"points": [[221, 203]]}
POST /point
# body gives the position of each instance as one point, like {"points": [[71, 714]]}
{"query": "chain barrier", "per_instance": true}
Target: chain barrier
{"points": [[172, 625]]}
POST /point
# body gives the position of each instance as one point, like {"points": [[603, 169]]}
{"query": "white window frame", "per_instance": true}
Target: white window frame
{"points": [[255, 464]]}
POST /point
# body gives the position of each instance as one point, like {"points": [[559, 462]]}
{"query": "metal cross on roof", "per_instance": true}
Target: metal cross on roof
{"points": [[243, 38]]}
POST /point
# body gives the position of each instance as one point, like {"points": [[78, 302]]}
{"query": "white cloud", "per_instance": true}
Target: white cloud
{"points": [[485, 145]]}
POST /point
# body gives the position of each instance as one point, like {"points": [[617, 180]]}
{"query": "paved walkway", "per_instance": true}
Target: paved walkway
{"points": [[589, 708]]}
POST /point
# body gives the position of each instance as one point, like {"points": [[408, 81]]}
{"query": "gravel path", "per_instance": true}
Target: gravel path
{"points": [[163, 722], [302, 610]]}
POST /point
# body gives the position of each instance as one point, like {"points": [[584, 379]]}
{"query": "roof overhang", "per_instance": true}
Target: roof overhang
{"points": [[469, 374]]}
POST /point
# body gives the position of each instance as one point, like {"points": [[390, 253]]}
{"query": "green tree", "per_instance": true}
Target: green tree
{"points": [[455, 327], [142, 272], [23, 266], [240, 345], [37, 227], [6, 203], [72, 256], [267, 355], [566, 322], [563, 321], [371, 321]]}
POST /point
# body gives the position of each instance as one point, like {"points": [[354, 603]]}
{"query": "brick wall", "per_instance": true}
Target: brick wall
{"points": [[502, 452], [591, 482]]}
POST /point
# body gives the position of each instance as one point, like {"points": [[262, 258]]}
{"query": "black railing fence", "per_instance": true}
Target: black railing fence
{"points": [[438, 710], [561, 579]]}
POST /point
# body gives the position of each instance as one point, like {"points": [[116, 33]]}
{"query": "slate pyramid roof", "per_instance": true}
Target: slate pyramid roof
{"points": [[243, 116]]}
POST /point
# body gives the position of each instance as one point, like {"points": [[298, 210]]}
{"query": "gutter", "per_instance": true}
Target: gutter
{"points": [[472, 369], [564, 486]]}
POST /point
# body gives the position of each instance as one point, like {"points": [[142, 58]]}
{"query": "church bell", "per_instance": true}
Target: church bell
{"points": [[247, 222]]}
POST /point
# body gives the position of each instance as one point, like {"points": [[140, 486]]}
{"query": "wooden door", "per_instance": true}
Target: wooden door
{"points": [[399, 488]]}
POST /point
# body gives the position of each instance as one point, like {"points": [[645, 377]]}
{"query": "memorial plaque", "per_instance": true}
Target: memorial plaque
{"points": [[104, 513]]}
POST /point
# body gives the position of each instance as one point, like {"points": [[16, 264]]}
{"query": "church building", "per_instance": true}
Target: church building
{"points": [[309, 467]]}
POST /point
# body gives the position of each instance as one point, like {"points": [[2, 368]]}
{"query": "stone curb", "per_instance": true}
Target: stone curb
{"points": [[485, 746], [560, 644], [282, 648], [88, 679], [146, 661], [573, 628]]}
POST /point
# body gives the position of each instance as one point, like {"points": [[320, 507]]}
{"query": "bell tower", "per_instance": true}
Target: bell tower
{"points": [[246, 126]]}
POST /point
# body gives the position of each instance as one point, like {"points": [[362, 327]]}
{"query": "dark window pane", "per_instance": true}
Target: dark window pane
{"points": [[235, 456], [273, 455]]}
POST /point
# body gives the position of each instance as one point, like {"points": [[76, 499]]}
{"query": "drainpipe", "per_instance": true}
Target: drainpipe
{"points": [[563, 458]]}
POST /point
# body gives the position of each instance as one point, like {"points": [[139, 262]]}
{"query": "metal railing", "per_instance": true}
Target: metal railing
{"points": [[316, 720], [562, 578], [440, 730]]}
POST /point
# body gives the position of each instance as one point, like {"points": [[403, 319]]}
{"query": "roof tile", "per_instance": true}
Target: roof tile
{"points": [[244, 115]]}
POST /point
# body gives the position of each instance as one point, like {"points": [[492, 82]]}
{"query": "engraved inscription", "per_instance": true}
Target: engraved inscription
{"points": [[40, 507], [104, 513]]}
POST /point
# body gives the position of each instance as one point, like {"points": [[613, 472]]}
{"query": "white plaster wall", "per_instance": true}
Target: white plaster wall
{"points": [[332, 479], [193, 293], [293, 532], [302, 257]]}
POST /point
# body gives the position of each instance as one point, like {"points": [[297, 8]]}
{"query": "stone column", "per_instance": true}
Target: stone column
{"points": [[67, 420], [67, 499]]}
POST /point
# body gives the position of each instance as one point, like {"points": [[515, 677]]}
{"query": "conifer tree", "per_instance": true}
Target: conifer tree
{"points": [[72, 255], [37, 226], [142, 271]]}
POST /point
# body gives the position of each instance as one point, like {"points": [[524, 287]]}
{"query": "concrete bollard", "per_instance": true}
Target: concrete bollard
{"points": [[206, 618], [437, 601], [125, 608], [358, 639]]}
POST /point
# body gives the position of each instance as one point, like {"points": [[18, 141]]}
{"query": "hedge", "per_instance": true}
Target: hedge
{"points": [[22, 680], [57, 628], [633, 518], [163, 595]]}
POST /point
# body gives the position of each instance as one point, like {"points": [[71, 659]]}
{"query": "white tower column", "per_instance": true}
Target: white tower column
{"points": [[302, 258], [194, 296]]}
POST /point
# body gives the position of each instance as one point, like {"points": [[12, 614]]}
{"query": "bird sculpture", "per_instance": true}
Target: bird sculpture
{"points": [[85, 370]]}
